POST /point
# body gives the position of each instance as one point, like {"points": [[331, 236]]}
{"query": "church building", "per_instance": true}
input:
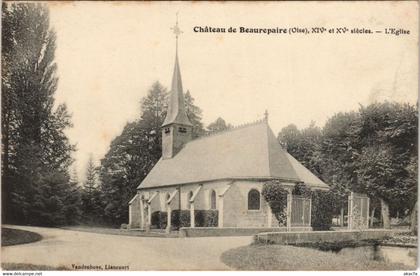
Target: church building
{"points": [[222, 172]]}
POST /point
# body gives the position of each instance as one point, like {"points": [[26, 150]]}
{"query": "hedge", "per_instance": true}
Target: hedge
{"points": [[203, 218], [322, 210]]}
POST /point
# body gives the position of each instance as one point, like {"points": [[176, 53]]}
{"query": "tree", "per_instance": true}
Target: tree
{"points": [[129, 159], [36, 152], [218, 125], [135, 151], [339, 152], [90, 183], [91, 195], [194, 113], [290, 138], [388, 135], [303, 145]]}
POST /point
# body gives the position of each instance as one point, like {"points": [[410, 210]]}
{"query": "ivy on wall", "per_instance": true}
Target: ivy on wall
{"points": [[276, 197], [301, 189]]}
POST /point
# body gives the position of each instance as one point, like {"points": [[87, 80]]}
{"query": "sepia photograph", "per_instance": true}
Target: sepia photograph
{"points": [[209, 136]]}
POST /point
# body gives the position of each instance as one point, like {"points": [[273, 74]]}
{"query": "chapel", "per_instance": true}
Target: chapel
{"points": [[220, 174]]}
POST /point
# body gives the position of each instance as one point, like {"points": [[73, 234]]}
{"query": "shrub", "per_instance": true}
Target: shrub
{"points": [[276, 196], [180, 219], [203, 218], [159, 219], [322, 210], [206, 218]]}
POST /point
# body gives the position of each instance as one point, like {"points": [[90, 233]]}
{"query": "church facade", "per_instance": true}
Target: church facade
{"points": [[223, 172]]}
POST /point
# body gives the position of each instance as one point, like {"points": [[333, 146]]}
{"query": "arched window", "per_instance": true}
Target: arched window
{"points": [[190, 195], [213, 200], [253, 200]]}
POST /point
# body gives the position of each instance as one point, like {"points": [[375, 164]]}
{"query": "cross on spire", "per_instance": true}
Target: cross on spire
{"points": [[177, 31]]}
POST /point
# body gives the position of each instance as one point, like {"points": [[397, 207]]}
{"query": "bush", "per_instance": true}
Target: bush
{"points": [[159, 219], [206, 218], [203, 218], [322, 210], [180, 219]]}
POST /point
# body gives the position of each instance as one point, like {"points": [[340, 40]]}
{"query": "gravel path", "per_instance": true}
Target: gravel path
{"points": [[61, 247]]}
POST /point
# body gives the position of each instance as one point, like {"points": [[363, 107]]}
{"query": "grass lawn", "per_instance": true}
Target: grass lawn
{"points": [[11, 236], [20, 266], [282, 257]]}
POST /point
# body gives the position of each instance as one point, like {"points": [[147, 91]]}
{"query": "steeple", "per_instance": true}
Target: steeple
{"points": [[177, 127], [176, 107]]}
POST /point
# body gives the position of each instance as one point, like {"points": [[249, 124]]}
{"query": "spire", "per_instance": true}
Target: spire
{"points": [[176, 107]]}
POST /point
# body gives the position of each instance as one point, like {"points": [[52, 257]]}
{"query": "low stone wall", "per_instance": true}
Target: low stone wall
{"points": [[232, 231], [321, 236]]}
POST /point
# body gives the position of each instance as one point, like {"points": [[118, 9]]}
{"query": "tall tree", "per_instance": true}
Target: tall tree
{"points": [[388, 135], [90, 182], [303, 145], [91, 195], [36, 151], [132, 155], [135, 151]]}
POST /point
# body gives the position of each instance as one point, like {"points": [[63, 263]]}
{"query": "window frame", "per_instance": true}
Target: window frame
{"points": [[213, 192], [189, 197], [249, 197]]}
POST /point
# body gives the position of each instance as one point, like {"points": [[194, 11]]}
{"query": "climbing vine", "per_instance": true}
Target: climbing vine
{"points": [[276, 197], [303, 190]]}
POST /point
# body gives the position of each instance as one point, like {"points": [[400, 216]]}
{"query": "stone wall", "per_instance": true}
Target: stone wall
{"points": [[321, 236], [232, 231], [235, 201], [236, 213]]}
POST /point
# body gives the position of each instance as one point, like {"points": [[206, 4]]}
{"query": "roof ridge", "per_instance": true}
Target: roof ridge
{"points": [[241, 126]]}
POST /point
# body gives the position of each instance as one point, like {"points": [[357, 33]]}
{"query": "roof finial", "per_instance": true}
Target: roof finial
{"points": [[266, 115], [177, 32]]}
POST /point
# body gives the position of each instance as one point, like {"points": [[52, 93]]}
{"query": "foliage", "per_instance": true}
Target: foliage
{"points": [[194, 113], [11, 236], [372, 150], [337, 246], [180, 218], [276, 197], [389, 136], [218, 125], [303, 145], [135, 151], [203, 218], [206, 218], [159, 219], [322, 210], [36, 154], [55, 201], [92, 205], [301, 189]]}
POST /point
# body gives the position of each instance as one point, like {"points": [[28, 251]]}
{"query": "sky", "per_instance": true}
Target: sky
{"points": [[110, 53]]}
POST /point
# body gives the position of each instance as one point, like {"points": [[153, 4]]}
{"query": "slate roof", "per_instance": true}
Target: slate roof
{"points": [[248, 152]]}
